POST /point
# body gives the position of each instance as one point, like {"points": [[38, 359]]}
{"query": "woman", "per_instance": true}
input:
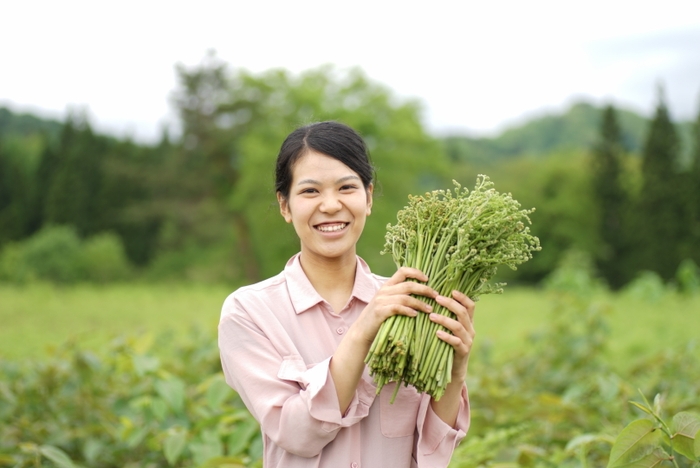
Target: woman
{"points": [[293, 346]]}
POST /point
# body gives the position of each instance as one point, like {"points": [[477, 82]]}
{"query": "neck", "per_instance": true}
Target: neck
{"points": [[333, 279]]}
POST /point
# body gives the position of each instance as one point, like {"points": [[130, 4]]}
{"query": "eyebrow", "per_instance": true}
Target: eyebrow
{"points": [[339, 181]]}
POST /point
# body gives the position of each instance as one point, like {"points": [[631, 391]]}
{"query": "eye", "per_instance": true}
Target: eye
{"points": [[348, 187], [308, 191]]}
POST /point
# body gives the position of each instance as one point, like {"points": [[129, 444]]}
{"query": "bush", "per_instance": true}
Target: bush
{"points": [[53, 254], [688, 277], [648, 286], [58, 255], [104, 259], [143, 401]]}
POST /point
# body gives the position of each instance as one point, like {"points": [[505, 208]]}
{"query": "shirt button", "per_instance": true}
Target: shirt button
{"points": [[354, 465], [340, 331]]}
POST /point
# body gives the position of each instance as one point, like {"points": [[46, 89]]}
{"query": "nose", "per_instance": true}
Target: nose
{"points": [[330, 204]]}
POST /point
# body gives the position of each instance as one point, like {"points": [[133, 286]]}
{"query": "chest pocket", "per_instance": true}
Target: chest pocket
{"points": [[398, 419]]}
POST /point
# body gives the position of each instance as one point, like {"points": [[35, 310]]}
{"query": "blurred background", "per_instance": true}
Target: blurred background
{"points": [[152, 130], [138, 139]]}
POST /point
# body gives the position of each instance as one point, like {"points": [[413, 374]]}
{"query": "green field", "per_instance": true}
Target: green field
{"points": [[164, 402], [37, 317]]}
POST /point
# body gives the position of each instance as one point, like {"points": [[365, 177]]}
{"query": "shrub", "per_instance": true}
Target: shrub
{"points": [[58, 255], [688, 277], [104, 258], [53, 254]]}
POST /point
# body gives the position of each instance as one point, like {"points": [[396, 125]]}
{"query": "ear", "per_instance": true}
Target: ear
{"points": [[370, 191], [284, 207]]}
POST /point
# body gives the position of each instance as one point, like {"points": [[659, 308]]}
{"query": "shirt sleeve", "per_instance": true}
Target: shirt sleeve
{"points": [[436, 439], [297, 407]]}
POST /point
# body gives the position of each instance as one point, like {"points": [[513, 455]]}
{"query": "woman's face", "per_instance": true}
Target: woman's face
{"points": [[327, 205]]}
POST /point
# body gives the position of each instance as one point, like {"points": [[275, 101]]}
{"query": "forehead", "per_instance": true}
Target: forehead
{"points": [[318, 166]]}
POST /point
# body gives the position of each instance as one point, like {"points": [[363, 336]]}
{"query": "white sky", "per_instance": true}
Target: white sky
{"points": [[476, 66]]}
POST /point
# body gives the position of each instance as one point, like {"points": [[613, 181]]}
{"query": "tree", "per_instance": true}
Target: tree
{"points": [[610, 198], [693, 188], [19, 157], [72, 189], [234, 123], [660, 223]]}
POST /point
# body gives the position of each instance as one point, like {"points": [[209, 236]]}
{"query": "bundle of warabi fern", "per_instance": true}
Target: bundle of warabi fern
{"points": [[458, 239]]}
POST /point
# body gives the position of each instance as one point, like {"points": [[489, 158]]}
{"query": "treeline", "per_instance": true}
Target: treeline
{"points": [[201, 207]]}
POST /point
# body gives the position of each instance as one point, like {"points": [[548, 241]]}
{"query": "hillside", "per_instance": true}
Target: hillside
{"points": [[12, 123], [577, 128]]}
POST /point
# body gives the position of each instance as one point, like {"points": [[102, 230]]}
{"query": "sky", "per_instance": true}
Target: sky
{"points": [[476, 67]]}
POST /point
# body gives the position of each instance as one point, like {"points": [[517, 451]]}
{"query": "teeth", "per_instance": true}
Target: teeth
{"points": [[331, 228]]}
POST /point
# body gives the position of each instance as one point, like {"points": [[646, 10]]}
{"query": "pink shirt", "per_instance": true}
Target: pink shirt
{"points": [[276, 340]]}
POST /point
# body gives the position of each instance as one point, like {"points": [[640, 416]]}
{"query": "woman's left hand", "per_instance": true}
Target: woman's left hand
{"points": [[462, 331]]}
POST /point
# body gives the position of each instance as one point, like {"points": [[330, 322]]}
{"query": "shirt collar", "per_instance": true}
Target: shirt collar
{"points": [[304, 296]]}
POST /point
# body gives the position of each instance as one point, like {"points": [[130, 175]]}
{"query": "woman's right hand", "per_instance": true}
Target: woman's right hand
{"points": [[395, 297]]}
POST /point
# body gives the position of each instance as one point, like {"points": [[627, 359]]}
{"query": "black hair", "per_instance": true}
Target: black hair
{"points": [[329, 138]]}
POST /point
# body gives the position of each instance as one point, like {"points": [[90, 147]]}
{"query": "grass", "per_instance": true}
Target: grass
{"points": [[637, 326], [35, 318]]}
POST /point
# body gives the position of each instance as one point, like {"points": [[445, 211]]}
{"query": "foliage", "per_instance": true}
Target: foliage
{"points": [[662, 197], [160, 399], [56, 253], [19, 208], [134, 404], [13, 123], [647, 442], [197, 205], [610, 196], [566, 217], [236, 121], [577, 128]]}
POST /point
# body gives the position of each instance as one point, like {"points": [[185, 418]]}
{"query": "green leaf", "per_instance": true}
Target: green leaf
{"points": [[144, 364], [92, 448], [56, 455], [643, 408], [208, 446], [240, 437], [217, 392], [136, 437], [173, 392], [255, 451], [655, 456], [174, 444], [585, 439], [159, 408], [225, 462], [696, 445], [634, 444], [684, 427]]}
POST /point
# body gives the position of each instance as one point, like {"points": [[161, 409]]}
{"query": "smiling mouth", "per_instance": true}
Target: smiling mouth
{"points": [[331, 227]]}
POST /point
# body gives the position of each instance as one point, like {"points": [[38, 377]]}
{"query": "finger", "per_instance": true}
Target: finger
{"points": [[411, 287], [456, 307], [466, 301], [456, 327], [460, 345], [405, 300], [404, 273]]}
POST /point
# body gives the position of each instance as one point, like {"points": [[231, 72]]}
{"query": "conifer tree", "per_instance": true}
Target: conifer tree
{"points": [[73, 187], [610, 197], [660, 222], [693, 188]]}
